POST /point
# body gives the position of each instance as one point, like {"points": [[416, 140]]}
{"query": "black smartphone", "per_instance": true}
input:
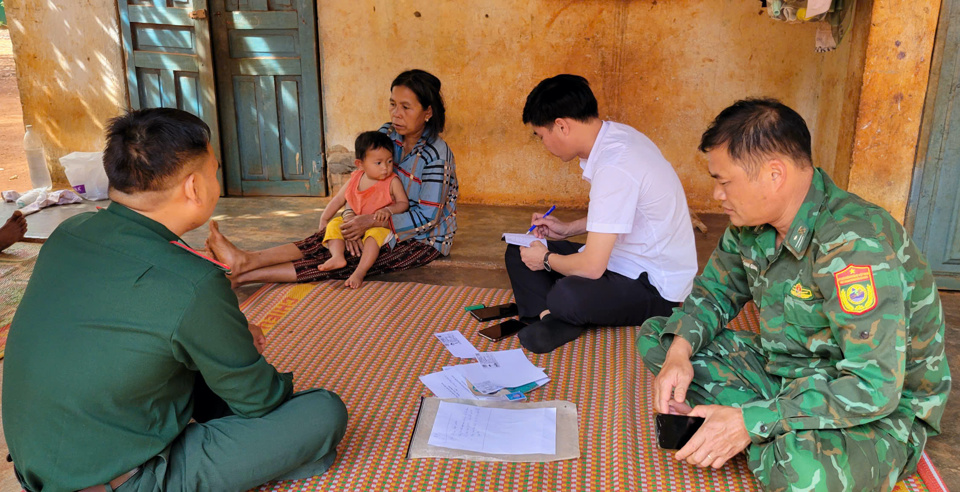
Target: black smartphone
{"points": [[502, 330], [673, 431], [495, 312]]}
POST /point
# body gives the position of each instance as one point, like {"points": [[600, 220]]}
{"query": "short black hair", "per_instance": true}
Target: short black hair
{"points": [[757, 129], [368, 141], [426, 87], [148, 147], [560, 96]]}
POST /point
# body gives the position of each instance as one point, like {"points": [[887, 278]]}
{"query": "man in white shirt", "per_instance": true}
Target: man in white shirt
{"points": [[639, 259]]}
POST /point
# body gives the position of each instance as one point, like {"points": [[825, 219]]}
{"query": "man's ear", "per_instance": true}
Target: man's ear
{"points": [[562, 125], [190, 188], [777, 171]]}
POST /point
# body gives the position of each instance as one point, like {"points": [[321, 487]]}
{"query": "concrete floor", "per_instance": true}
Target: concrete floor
{"points": [[476, 260]]}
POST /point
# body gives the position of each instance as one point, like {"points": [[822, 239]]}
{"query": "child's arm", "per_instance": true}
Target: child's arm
{"points": [[333, 207], [401, 202]]}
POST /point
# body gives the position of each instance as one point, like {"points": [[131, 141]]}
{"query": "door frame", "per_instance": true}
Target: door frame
{"points": [[229, 174], [927, 165], [204, 59], [307, 12]]}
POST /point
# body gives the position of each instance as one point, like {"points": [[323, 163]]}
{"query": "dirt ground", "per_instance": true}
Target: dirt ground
{"points": [[13, 162]]}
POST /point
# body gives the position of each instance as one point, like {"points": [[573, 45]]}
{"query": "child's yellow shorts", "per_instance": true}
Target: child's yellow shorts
{"points": [[379, 234]]}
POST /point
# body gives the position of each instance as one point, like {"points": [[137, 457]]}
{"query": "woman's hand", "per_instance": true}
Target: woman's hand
{"points": [[549, 227], [354, 228], [355, 246]]}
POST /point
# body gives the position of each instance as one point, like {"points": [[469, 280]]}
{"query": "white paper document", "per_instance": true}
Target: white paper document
{"points": [[457, 344], [495, 430], [448, 384], [522, 239], [503, 369]]}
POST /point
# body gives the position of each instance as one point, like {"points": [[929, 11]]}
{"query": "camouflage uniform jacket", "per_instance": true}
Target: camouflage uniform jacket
{"points": [[851, 319]]}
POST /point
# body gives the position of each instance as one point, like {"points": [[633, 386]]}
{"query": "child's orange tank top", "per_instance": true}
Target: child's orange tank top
{"points": [[371, 199]]}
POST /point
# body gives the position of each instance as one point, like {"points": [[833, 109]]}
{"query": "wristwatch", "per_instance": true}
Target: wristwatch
{"points": [[546, 261]]}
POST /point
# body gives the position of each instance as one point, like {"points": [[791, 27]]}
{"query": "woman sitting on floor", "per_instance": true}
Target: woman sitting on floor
{"points": [[423, 233]]}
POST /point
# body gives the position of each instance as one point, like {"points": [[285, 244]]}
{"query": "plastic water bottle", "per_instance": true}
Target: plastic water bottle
{"points": [[36, 161]]}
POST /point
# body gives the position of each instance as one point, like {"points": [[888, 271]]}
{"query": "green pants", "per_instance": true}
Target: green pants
{"points": [[730, 371], [296, 440]]}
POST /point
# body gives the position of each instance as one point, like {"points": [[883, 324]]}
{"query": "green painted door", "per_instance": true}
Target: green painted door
{"points": [[935, 198], [168, 58], [269, 93]]}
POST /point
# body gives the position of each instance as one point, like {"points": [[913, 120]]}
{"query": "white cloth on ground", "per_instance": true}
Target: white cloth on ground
{"points": [[44, 199]]}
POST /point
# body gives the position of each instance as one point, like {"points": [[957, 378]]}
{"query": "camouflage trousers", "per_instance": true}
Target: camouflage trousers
{"points": [[730, 371]]}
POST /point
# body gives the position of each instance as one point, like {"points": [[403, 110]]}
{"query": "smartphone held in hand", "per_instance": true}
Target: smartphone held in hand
{"points": [[673, 431]]}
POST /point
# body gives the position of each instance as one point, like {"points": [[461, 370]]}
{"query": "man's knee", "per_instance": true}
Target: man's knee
{"points": [[512, 259], [651, 348], [325, 416], [859, 458], [566, 301]]}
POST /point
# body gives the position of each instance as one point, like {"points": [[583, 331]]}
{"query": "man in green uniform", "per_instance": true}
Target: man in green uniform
{"points": [[124, 334], [847, 377]]}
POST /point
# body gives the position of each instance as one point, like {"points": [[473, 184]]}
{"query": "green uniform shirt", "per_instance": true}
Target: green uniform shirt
{"points": [[850, 318], [115, 325]]}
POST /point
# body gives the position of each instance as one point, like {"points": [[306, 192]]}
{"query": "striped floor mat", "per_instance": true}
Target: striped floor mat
{"points": [[370, 345], [16, 266]]}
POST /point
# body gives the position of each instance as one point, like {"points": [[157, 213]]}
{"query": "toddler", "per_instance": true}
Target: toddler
{"points": [[372, 189]]}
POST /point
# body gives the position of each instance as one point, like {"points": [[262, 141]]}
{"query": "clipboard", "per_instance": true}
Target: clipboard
{"points": [[568, 433]]}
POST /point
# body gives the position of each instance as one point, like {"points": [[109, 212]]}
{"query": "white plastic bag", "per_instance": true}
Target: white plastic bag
{"points": [[85, 172]]}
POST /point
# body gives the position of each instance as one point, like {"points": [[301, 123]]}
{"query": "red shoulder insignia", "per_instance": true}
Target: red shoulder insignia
{"points": [[856, 289], [220, 265]]}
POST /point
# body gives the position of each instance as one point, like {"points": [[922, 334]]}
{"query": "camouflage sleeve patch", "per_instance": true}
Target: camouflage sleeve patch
{"points": [[856, 289]]}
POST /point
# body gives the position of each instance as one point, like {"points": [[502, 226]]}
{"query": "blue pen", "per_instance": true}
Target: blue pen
{"points": [[552, 208]]}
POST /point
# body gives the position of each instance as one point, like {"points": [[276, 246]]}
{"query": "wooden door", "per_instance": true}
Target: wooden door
{"points": [[269, 92], [935, 197], [168, 57]]}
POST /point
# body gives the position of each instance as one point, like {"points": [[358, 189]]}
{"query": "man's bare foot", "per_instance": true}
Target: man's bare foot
{"points": [[355, 280], [13, 230], [223, 250], [206, 251]]}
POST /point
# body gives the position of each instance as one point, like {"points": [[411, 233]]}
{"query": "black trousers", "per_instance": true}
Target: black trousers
{"points": [[611, 300]]}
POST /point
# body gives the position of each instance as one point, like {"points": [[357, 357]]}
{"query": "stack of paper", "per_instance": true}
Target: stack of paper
{"points": [[524, 240], [495, 375], [495, 430]]}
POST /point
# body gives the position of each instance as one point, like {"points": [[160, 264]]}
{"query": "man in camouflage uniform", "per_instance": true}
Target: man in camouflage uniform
{"points": [[847, 377]]}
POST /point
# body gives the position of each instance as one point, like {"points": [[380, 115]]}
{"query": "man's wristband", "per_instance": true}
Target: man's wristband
{"points": [[546, 261]]}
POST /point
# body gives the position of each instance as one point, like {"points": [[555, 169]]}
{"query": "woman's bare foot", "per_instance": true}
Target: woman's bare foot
{"points": [[224, 250], [355, 280], [13, 230], [334, 263]]}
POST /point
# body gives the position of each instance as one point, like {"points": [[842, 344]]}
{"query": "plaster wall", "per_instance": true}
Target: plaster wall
{"points": [[665, 67], [69, 71], [895, 75]]}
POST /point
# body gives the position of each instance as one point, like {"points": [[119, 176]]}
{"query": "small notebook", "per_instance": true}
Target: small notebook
{"points": [[522, 239]]}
